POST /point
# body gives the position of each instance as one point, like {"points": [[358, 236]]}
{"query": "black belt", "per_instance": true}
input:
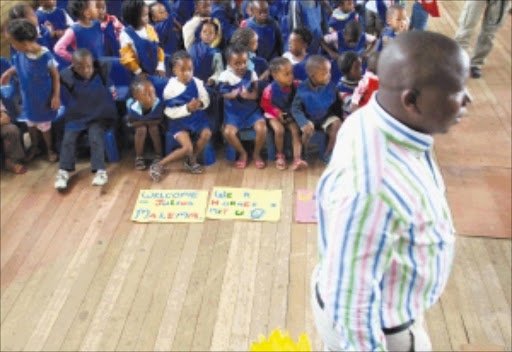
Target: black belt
{"points": [[387, 331]]}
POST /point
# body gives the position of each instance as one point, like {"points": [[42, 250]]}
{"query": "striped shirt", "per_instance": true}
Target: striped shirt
{"points": [[385, 233]]}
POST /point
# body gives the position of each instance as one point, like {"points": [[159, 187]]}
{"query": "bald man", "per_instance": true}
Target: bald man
{"points": [[385, 233]]}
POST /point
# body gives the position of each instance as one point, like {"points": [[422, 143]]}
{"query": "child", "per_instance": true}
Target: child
{"points": [[89, 107], [140, 51], [317, 104], [39, 83], [185, 99], [12, 149], [248, 38], [299, 41], [367, 85], [207, 59], [203, 11], [270, 40], [342, 14], [350, 65], [85, 33], [241, 109], [54, 18], [165, 25], [111, 28], [352, 38], [277, 103], [144, 114], [222, 10], [397, 22]]}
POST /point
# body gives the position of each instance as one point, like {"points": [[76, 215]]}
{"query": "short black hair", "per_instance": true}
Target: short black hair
{"points": [[313, 63], [346, 60], [277, 63], [22, 30], [77, 7], [137, 83], [353, 30], [179, 56], [18, 11], [82, 53], [235, 49], [242, 36], [132, 12], [305, 34]]}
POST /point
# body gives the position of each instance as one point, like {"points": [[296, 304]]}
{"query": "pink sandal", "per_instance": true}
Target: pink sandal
{"points": [[241, 164], [281, 162], [299, 164], [260, 164]]}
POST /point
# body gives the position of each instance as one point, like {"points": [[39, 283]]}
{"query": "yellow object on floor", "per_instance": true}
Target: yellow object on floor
{"points": [[278, 342]]}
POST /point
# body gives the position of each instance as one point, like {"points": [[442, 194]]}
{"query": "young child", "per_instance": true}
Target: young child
{"points": [[277, 103], [299, 41], [165, 25], [39, 83], [344, 12], [270, 40], [352, 38], [350, 65], [111, 27], [140, 51], [207, 60], [317, 104], [241, 108], [396, 23], [13, 151], [367, 85], [90, 106], [185, 99], [54, 18], [222, 10], [144, 113], [203, 11], [248, 38]]}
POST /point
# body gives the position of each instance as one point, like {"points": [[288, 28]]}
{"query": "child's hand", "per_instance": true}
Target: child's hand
{"points": [[49, 25], [308, 129], [248, 95], [114, 93], [160, 74], [211, 82], [55, 104], [194, 105]]}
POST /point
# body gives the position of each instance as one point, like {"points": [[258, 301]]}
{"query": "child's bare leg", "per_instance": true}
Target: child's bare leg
{"points": [[185, 149], [205, 136], [47, 137], [139, 139], [296, 142], [332, 131], [230, 133], [154, 132], [34, 140], [278, 129], [260, 127]]}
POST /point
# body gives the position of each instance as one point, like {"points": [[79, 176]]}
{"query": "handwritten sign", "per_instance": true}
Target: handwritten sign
{"points": [[244, 204], [155, 205], [306, 206]]}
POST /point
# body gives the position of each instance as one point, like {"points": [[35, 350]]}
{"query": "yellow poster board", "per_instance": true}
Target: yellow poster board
{"points": [[165, 205], [244, 204]]}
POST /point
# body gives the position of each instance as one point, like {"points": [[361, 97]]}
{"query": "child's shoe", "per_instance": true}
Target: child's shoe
{"points": [[193, 166], [299, 164], [61, 181], [101, 178], [156, 171], [140, 163], [281, 162]]}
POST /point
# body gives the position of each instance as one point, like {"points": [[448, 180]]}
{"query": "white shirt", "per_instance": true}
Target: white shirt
{"points": [[174, 88]]}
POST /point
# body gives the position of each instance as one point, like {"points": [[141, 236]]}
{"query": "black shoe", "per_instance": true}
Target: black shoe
{"points": [[476, 72]]}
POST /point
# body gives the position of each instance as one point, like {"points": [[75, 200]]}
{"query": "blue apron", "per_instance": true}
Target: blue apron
{"points": [[167, 35], [283, 100], [202, 57], [312, 19], [317, 104], [147, 51], [195, 122], [110, 40], [338, 25], [90, 38], [359, 48], [386, 32], [269, 40]]}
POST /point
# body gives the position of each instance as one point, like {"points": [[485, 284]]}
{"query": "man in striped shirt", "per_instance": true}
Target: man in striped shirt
{"points": [[385, 233]]}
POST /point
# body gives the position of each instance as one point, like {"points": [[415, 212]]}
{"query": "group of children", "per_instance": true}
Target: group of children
{"points": [[262, 72]]}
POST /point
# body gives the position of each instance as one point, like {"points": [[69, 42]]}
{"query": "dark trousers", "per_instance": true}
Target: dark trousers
{"points": [[67, 153]]}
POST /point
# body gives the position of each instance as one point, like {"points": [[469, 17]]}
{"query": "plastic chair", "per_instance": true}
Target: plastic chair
{"points": [[207, 155]]}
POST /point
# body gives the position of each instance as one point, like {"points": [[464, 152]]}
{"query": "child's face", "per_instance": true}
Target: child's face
{"points": [[297, 45], [238, 63], [144, 17], [204, 8], [356, 71], [145, 95], [83, 67], [284, 77], [48, 4], [253, 43], [398, 21], [322, 74], [348, 6], [102, 9], [91, 12], [184, 70], [208, 33], [349, 40], [159, 13], [260, 12]]}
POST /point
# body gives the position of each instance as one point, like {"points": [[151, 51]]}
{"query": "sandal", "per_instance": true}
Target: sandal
{"points": [[140, 164], [156, 171], [193, 166], [241, 164], [260, 164], [299, 164], [15, 167], [281, 162]]}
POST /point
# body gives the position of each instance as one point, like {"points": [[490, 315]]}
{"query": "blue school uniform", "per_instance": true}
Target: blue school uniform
{"points": [[57, 18], [281, 99], [338, 25], [299, 70], [270, 40], [134, 111], [110, 42], [147, 51], [195, 122], [312, 18], [184, 10], [257, 64], [386, 32], [226, 21], [90, 38], [202, 57], [167, 35], [359, 48], [36, 87], [314, 104], [239, 112], [114, 7], [347, 88]]}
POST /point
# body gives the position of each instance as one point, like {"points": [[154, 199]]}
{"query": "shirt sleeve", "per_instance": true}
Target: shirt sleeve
{"points": [[361, 88], [189, 30], [68, 39], [266, 103], [127, 54], [370, 38], [176, 112], [298, 111], [153, 36]]}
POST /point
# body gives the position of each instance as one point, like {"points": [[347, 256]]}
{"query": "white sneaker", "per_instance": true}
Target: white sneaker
{"points": [[61, 181], [101, 178]]}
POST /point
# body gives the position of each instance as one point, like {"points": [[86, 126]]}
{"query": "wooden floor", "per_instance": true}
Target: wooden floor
{"points": [[76, 274]]}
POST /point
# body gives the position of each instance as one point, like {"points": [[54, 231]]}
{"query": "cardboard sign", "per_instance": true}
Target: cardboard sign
{"points": [[244, 204], [305, 211], [166, 205]]}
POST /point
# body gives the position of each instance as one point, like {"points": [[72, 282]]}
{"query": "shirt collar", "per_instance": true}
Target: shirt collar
{"points": [[398, 132], [135, 105]]}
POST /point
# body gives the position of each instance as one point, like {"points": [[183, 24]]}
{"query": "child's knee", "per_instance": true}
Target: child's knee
{"points": [[140, 132], [154, 129], [260, 126], [230, 131], [206, 134]]}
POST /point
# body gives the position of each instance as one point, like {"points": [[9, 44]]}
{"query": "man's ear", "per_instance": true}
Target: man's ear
{"points": [[409, 99]]}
